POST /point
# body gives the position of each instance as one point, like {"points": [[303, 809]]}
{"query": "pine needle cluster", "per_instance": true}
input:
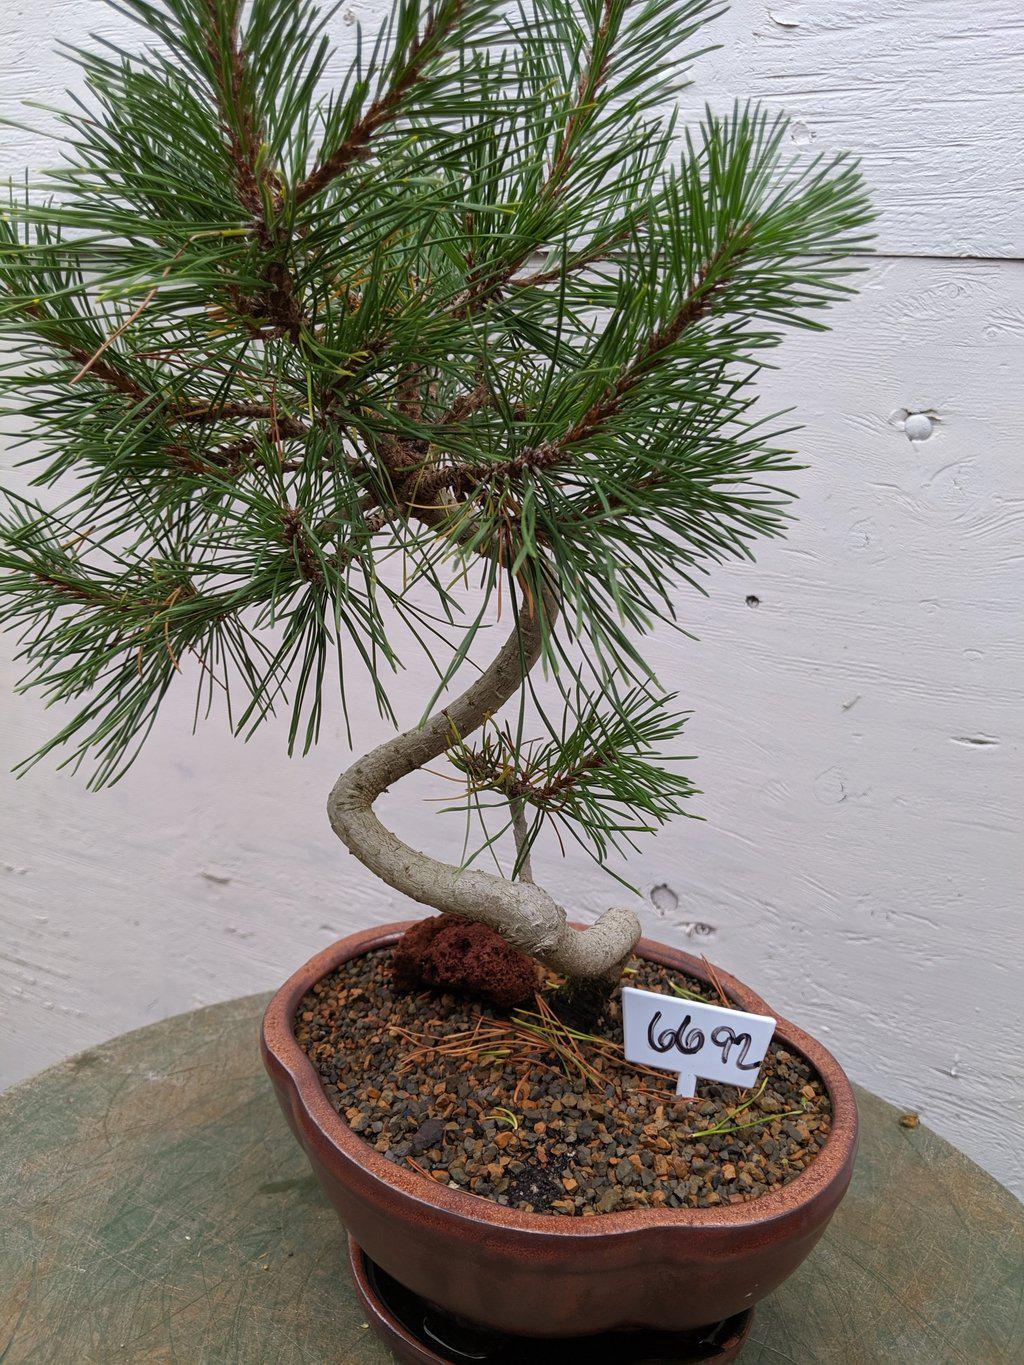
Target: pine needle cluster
{"points": [[291, 349]]}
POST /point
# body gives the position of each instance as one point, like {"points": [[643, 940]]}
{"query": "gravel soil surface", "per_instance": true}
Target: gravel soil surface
{"points": [[481, 1100]]}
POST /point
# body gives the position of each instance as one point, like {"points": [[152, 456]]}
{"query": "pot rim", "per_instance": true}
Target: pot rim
{"points": [[314, 1113]]}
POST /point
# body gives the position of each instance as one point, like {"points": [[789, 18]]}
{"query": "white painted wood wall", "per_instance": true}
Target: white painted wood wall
{"points": [[859, 726]]}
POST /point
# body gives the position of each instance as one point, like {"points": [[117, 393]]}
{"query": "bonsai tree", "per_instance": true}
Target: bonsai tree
{"points": [[312, 364]]}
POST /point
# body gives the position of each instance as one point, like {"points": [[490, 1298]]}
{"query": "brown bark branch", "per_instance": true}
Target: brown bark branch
{"points": [[237, 118], [96, 365], [594, 72], [244, 136], [383, 110], [229, 458], [697, 304]]}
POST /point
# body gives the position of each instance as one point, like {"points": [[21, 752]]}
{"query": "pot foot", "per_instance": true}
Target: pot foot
{"points": [[419, 1333]]}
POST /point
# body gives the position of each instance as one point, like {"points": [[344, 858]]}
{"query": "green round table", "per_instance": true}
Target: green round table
{"points": [[154, 1207]]}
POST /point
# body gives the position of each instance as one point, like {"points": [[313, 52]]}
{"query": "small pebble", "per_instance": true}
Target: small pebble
{"points": [[429, 1134]]}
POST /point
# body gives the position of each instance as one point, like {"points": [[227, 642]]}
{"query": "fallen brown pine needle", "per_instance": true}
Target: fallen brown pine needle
{"points": [[717, 983]]}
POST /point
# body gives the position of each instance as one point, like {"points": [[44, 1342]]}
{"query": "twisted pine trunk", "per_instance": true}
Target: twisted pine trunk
{"points": [[520, 911]]}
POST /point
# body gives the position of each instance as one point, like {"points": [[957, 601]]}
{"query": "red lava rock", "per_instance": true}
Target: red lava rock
{"points": [[448, 953]]}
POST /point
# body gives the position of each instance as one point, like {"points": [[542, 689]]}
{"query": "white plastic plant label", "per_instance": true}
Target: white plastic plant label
{"points": [[694, 1038]]}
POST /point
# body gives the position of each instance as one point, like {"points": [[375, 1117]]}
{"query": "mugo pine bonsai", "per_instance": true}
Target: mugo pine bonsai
{"points": [[313, 361]]}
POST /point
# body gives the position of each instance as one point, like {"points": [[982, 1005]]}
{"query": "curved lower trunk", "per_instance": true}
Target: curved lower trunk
{"points": [[520, 911]]}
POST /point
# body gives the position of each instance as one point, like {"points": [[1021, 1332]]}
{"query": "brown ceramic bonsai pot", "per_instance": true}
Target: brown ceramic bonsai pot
{"points": [[541, 1275], [418, 1334]]}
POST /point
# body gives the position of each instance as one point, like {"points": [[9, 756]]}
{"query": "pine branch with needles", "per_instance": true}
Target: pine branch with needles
{"points": [[318, 376]]}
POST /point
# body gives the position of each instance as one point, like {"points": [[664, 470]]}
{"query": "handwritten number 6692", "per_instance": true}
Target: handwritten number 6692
{"points": [[690, 1040]]}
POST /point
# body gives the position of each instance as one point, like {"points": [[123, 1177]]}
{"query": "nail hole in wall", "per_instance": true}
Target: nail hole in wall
{"points": [[664, 899]]}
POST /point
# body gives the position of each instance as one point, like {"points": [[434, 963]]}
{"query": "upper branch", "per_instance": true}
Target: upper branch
{"points": [[384, 109], [254, 185], [104, 367], [237, 118], [579, 115], [697, 304]]}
